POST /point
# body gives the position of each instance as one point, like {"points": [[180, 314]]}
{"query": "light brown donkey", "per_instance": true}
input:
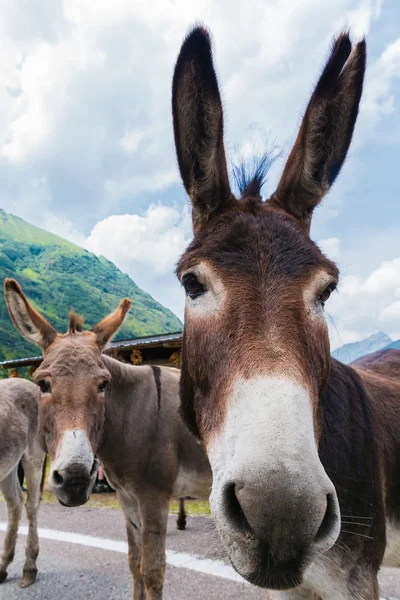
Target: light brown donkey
{"points": [[128, 416], [305, 451], [19, 400]]}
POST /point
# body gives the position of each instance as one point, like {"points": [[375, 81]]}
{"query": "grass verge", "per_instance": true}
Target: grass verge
{"points": [[193, 507]]}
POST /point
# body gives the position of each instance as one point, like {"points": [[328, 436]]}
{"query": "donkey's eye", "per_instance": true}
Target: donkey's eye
{"points": [[192, 286], [102, 387], [324, 297], [45, 386]]}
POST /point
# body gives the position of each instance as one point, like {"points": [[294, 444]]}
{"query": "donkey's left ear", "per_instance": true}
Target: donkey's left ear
{"points": [[325, 133], [108, 327]]}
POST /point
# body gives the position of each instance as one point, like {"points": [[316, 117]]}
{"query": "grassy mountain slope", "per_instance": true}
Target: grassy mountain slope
{"points": [[58, 276]]}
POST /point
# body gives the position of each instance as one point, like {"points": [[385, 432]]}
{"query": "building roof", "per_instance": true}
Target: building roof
{"points": [[165, 340]]}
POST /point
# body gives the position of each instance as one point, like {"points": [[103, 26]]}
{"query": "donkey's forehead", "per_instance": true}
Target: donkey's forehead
{"points": [[265, 242], [72, 352]]}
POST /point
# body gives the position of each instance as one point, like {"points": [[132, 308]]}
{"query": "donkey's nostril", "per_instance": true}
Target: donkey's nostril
{"points": [[58, 479], [329, 520], [233, 508]]}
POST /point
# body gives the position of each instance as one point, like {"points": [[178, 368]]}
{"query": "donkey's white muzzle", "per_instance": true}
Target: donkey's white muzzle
{"points": [[274, 504], [74, 470]]}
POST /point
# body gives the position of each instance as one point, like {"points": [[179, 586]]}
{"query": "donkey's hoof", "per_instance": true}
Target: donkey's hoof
{"points": [[181, 525], [3, 576], [28, 577]]}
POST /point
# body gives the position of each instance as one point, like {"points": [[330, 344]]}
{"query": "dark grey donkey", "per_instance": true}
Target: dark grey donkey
{"points": [[19, 400], [128, 416]]}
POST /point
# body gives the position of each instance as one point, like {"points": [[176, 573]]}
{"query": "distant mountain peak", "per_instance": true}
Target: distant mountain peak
{"points": [[380, 335], [350, 352]]}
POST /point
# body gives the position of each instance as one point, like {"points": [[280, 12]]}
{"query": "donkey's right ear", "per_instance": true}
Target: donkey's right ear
{"points": [[198, 129], [109, 326], [325, 133], [25, 318]]}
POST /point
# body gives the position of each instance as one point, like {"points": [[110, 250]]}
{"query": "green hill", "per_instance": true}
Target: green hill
{"points": [[59, 276]]}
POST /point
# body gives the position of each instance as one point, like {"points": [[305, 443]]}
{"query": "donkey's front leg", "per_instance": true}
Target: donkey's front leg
{"points": [[133, 527], [33, 465], [13, 496], [154, 516]]}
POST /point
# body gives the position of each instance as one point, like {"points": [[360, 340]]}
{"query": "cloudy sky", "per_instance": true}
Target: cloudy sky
{"points": [[86, 143]]}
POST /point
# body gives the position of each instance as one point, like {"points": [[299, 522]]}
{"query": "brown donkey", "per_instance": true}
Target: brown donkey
{"points": [[304, 451], [19, 401], [128, 416]]}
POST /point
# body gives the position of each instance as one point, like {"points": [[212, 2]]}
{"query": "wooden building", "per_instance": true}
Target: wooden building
{"points": [[161, 349]]}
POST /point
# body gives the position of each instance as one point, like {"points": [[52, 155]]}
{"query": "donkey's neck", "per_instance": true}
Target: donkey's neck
{"points": [[127, 385], [125, 397], [121, 374]]}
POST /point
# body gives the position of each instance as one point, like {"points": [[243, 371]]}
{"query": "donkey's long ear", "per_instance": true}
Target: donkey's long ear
{"points": [[109, 326], [25, 318], [198, 129], [325, 133]]}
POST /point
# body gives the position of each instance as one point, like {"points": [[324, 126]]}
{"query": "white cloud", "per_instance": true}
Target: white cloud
{"points": [[390, 313], [378, 100], [91, 108], [365, 305], [62, 228], [385, 280], [330, 247], [136, 185], [45, 80], [86, 131], [131, 140], [155, 239], [147, 247]]}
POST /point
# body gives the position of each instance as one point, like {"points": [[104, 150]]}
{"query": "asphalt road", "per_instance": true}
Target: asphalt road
{"points": [[74, 564]]}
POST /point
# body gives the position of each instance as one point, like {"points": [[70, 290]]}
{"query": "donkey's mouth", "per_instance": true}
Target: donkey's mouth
{"points": [[260, 564], [269, 573], [77, 498], [75, 493], [73, 484], [278, 580], [73, 504]]}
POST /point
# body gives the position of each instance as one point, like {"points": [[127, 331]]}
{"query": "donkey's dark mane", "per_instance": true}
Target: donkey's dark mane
{"points": [[250, 176], [75, 322]]}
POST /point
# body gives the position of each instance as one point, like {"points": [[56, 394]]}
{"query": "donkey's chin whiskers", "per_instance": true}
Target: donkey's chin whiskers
{"points": [[355, 523], [357, 534]]}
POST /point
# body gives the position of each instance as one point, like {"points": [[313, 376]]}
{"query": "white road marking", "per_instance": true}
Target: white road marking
{"points": [[215, 568], [175, 559]]}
